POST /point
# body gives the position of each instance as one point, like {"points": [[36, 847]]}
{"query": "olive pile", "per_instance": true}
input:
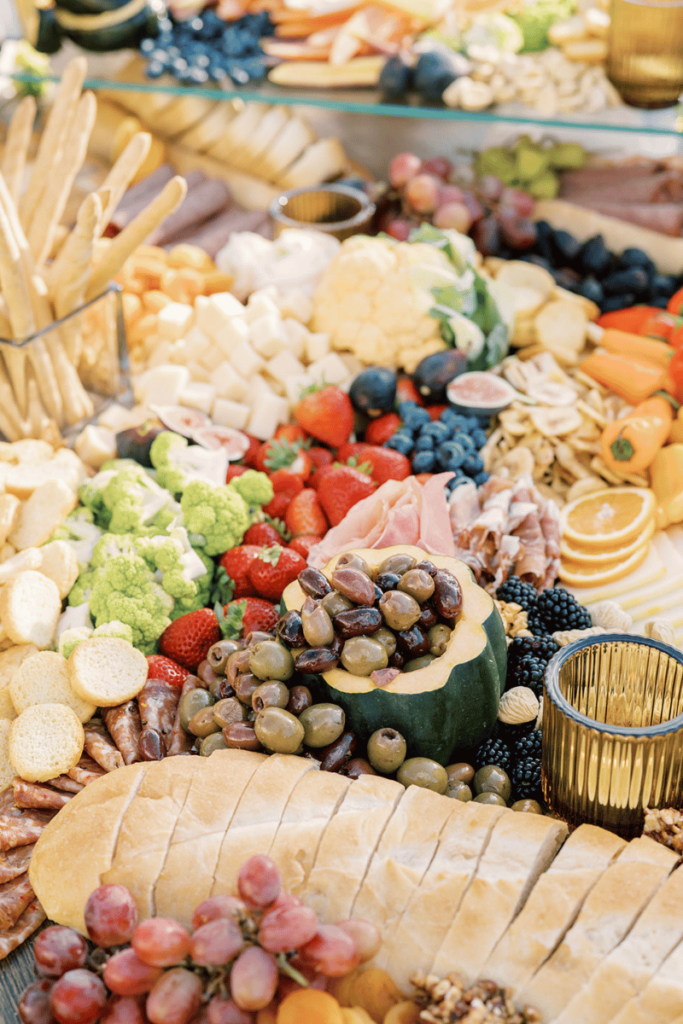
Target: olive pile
{"points": [[397, 620], [489, 785]]}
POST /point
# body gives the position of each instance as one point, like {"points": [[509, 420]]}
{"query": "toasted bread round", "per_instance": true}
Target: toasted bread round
{"points": [[59, 563], [7, 772], [10, 660], [107, 671], [44, 679], [45, 741], [29, 608]]}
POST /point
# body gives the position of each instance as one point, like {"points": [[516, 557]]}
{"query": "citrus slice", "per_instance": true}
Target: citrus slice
{"points": [[574, 574], [608, 555], [607, 519]]}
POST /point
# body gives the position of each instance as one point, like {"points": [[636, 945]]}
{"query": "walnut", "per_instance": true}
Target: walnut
{"points": [[611, 616], [445, 1000], [666, 826], [568, 636], [659, 629], [518, 705], [514, 619]]}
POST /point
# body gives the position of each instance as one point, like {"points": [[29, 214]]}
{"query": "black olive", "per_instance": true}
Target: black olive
{"points": [[388, 580], [337, 645], [428, 618], [633, 257], [634, 280], [566, 278], [544, 245], [358, 622], [397, 660], [427, 566], [566, 246], [594, 257], [313, 582], [447, 598], [413, 642], [614, 302], [591, 289], [316, 660], [395, 79], [663, 284], [290, 630]]}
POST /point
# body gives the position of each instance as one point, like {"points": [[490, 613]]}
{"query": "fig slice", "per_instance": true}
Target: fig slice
{"points": [[235, 442], [180, 419]]}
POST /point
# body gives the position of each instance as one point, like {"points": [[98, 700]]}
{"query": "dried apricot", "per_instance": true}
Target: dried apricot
{"points": [[376, 993], [402, 1013], [310, 1005]]}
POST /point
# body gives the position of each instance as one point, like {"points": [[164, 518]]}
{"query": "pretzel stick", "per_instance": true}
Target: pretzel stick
{"points": [[124, 170], [53, 200], [36, 418], [134, 234], [8, 406], [54, 134], [16, 145], [77, 402]]}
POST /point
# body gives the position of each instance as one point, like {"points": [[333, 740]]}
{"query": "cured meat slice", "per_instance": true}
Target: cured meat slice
{"points": [[182, 741], [66, 784], [663, 187], [32, 918], [215, 233], [203, 201], [138, 196], [101, 747], [18, 831], [15, 896], [35, 794], [158, 702], [666, 218], [15, 862], [7, 800], [123, 722], [86, 771]]}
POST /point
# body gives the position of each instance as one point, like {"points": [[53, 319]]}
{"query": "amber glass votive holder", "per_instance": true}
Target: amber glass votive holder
{"points": [[613, 731]]}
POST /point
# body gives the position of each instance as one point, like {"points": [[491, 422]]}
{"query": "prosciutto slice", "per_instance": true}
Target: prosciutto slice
{"points": [[32, 917], [14, 862], [15, 896], [123, 722]]}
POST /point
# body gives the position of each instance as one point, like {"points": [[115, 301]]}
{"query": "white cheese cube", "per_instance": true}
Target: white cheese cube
{"points": [[162, 385], [317, 346], [259, 391], [296, 335], [245, 360], [211, 357], [174, 320], [197, 395], [284, 365], [116, 417], [262, 303], [161, 354], [297, 304], [179, 353], [267, 334], [228, 383], [198, 372], [352, 363], [295, 385], [234, 332], [230, 414], [216, 311], [329, 369], [266, 417]]}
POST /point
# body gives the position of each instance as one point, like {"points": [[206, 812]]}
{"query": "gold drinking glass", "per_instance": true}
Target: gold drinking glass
{"points": [[613, 731], [337, 210], [645, 55]]}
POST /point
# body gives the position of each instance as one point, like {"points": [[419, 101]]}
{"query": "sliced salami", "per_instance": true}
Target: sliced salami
{"points": [[123, 722], [15, 896], [32, 918], [101, 747]]}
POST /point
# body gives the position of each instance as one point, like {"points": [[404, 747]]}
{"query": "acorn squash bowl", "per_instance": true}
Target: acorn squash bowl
{"points": [[451, 703]]}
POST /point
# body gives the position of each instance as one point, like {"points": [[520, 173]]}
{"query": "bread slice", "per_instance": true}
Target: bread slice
{"points": [[45, 741], [187, 873], [348, 845], [629, 967], [286, 149], [552, 906], [258, 815], [322, 161], [265, 135], [238, 131], [59, 562], [29, 608], [606, 916], [10, 661], [661, 1001], [79, 843], [44, 679], [107, 671], [416, 938], [209, 130], [42, 513], [7, 771], [181, 114], [9, 513], [521, 847], [313, 802]]}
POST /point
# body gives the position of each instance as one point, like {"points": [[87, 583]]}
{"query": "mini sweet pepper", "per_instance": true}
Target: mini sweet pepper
{"points": [[630, 444], [666, 480]]}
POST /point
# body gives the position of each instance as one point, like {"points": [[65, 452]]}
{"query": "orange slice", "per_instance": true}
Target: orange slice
{"points": [[611, 518], [608, 556], [574, 574]]}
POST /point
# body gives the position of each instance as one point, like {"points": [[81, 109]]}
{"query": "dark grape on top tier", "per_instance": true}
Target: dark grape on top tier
{"points": [[559, 610]]}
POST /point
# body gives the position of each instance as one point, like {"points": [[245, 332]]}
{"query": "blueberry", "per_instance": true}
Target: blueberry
{"points": [[465, 441], [451, 455], [154, 69], [218, 73], [424, 443], [173, 52], [238, 74], [438, 430], [663, 284], [198, 76], [424, 462], [481, 478], [479, 437], [472, 423], [405, 408], [458, 481], [147, 45], [453, 419], [400, 443], [473, 465], [417, 420]]}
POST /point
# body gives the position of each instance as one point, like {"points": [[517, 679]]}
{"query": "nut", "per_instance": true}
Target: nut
{"points": [[518, 705], [568, 636], [611, 615], [659, 629]]}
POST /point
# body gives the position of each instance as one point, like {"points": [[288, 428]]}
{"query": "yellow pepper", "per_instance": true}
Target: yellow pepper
{"points": [[630, 444], [676, 432], [666, 480]]}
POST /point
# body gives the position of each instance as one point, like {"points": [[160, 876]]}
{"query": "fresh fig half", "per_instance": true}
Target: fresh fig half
{"points": [[180, 419], [233, 441]]}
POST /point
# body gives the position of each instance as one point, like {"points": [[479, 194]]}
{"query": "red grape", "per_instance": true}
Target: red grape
{"points": [[216, 907], [474, 207], [518, 232], [34, 1005], [332, 952], [486, 236], [58, 950], [127, 975], [161, 942], [253, 979], [287, 928], [422, 193], [110, 915], [490, 188], [450, 194], [201, 1016], [453, 215], [400, 229], [215, 943], [124, 1010], [366, 936], [79, 997], [521, 202], [225, 1011], [402, 168], [259, 881], [285, 899], [438, 165], [175, 998]]}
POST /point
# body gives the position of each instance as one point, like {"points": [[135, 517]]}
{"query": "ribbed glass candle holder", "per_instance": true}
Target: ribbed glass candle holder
{"points": [[613, 731]]}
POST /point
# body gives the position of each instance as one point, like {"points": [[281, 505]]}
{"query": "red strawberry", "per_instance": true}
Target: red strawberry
{"points": [[159, 667], [262, 534], [384, 463], [407, 392], [340, 489], [274, 569], [435, 411], [303, 545], [233, 471], [287, 482], [305, 515], [326, 413], [236, 564], [320, 475], [290, 432], [247, 616], [188, 638], [284, 454], [277, 506], [350, 450], [320, 457], [250, 454], [380, 430]]}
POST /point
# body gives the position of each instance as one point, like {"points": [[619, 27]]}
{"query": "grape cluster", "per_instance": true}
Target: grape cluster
{"points": [[450, 444], [242, 954]]}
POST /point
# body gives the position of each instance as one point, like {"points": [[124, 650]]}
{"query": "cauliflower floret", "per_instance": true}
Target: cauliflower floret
{"points": [[71, 638], [79, 530], [178, 463], [124, 589], [219, 515]]}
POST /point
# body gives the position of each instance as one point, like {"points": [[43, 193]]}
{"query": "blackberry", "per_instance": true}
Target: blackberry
{"points": [[528, 746], [492, 752], [517, 592], [541, 647], [529, 671], [536, 623], [559, 610], [526, 778]]}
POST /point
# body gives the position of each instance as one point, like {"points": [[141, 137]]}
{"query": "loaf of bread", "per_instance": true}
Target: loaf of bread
{"points": [[452, 886]]}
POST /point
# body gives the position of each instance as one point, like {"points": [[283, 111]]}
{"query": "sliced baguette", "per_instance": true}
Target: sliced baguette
{"points": [[7, 772], [606, 916], [521, 847], [288, 147], [45, 740], [10, 661], [44, 679], [59, 562], [29, 608], [264, 137], [238, 131], [661, 1001], [42, 513], [210, 129], [552, 906], [183, 113], [107, 671], [322, 161]]}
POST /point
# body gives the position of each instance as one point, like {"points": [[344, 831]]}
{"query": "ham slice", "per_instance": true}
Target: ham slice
{"points": [[32, 917], [666, 218], [15, 896], [14, 863], [603, 177], [204, 200]]}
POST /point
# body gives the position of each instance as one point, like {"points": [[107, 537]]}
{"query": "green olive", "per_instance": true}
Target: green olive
{"points": [[212, 742], [527, 807], [492, 779], [459, 772], [386, 638], [386, 750], [490, 798], [362, 655], [417, 663], [272, 693], [422, 771], [397, 563], [191, 703], [202, 723], [418, 583], [218, 654], [316, 624], [323, 724], [246, 686], [439, 638], [399, 610], [350, 560], [459, 791], [279, 731], [270, 660], [335, 603], [227, 711]]}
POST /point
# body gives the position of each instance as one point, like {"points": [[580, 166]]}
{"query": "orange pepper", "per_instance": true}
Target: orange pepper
{"points": [[676, 432], [661, 326], [675, 303], [630, 444], [633, 346], [634, 380], [630, 319]]}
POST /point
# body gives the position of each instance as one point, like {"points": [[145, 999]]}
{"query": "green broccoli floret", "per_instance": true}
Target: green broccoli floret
{"points": [[91, 494], [71, 638], [202, 599], [79, 530], [255, 487], [178, 463], [82, 588], [219, 515], [120, 630], [124, 589], [133, 499], [110, 545]]}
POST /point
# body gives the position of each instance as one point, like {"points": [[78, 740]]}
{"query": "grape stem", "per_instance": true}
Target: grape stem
{"points": [[286, 968]]}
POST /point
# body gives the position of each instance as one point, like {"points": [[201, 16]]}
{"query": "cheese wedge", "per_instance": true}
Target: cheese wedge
{"points": [[552, 906], [661, 1001]]}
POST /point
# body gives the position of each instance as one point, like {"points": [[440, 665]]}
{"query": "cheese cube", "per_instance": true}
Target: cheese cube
{"points": [[245, 360], [295, 335], [352, 363], [284, 365], [228, 383], [179, 353], [197, 395], [295, 385], [216, 311], [211, 357], [267, 334], [259, 390], [116, 417], [262, 303], [174, 320], [329, 369], [296, 303], [162, 385], [197, 342], [234, 332], [95, 445], [198, 372], [266, 417], [317, 346], [161, 354], [230, 414]]}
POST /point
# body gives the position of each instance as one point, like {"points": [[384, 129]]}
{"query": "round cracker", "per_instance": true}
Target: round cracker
{"points": [[45, 741], [107, 671], [44, 679]]}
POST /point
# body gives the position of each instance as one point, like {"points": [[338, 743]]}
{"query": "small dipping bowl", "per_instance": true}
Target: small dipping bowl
{"points": [[613, 731], [337, 210]]}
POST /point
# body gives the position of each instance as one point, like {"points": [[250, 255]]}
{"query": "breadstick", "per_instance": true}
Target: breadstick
{"points": [[125, 243], [16, 145], [5, 326], [15, 358], [77, 402], [54, 134], [69, 273], [124, 170], [8, 404], [37, 418], [13, 281], [53, 200]]}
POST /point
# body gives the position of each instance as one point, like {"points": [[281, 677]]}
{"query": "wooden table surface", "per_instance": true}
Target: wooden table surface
{"points": [[16, 972]]}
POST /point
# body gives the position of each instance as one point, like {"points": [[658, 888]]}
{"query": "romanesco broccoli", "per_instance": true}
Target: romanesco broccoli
{"points": [[178, 463], [119, 630], [82, 588], [79, 530], [219, 515], [133, 499], [124, 589], [255, 487]]}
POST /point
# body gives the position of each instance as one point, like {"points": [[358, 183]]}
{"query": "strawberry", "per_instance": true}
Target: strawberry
{"points": [[320, 475], [326, 413], [236, 564], [380, 430], [305, 515], [277, 506], [274, 569], [159, 667], [303, 545], [273, 455], [188, 638], [290, 432], [340, 489], [435, 411], [407, 392], [250, 454], [262, 534], [233, 471], [349, 451], [320, 457], [247, 616], [287, 482], [384, 463]]}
